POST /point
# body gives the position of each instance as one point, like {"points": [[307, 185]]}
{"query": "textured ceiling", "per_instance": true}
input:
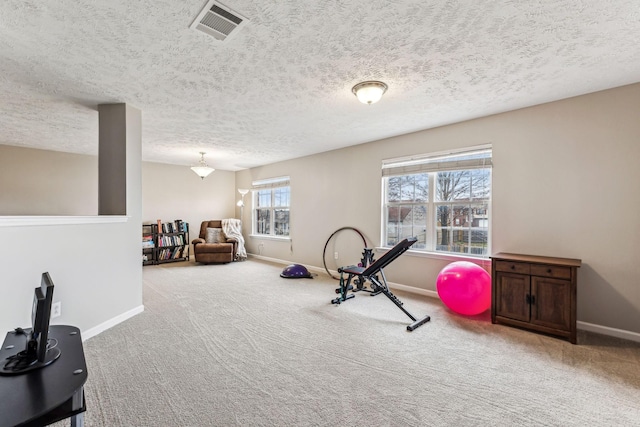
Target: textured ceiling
{"points": [[281, 87]]}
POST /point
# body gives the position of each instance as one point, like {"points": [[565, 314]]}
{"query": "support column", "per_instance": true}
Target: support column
{"points": [[119, 160]]}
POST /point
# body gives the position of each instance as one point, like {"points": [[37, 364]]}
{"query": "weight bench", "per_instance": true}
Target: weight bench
{"points": [[370, 273]]}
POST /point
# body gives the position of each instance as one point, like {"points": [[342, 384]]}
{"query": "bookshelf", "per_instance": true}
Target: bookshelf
{"points": [[149, 235], [165, 242]]}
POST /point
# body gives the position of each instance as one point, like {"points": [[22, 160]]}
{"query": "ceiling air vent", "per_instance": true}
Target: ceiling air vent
{"points": [[218, 21]]}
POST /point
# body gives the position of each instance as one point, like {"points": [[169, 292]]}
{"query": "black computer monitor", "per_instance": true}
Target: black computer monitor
{"points": [[38, 352], [40, 315]]}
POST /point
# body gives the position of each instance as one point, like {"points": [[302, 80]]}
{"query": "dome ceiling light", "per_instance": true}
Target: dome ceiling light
{"points": [[369, 92]]}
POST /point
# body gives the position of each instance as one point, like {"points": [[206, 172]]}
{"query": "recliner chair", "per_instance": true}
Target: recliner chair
{"points": [[220, 252]]}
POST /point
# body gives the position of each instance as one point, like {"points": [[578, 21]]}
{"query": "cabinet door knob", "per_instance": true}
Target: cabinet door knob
{"points": [[549, 270], [513, 267]]}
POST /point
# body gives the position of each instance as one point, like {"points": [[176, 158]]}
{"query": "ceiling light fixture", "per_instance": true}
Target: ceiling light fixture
{"points": [[202, 170], [369, 92]]}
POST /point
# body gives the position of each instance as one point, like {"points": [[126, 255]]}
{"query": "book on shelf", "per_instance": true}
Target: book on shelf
{"points": [[177, 226], [181, 226], [147, 241]]}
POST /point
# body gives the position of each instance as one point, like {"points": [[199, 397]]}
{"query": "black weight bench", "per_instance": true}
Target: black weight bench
{"points": [[370, 273]]}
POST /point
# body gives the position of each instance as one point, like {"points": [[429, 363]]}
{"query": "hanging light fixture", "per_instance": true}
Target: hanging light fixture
{"points": [[369, 92], [202, 170]]}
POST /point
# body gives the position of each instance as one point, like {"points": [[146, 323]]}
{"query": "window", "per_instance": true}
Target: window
{"points": [[442, 199], [271, 201]]}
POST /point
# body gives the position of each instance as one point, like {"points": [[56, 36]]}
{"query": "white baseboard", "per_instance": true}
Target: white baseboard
{"points": [[590, 327], [273, 260], [612, 332], [111, 323]]}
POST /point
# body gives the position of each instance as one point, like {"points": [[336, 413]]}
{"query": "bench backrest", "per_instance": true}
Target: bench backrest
{"points": [[390, 256]]}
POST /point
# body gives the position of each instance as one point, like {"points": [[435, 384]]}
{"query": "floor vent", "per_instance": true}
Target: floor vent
{"points": [[217, 20]]}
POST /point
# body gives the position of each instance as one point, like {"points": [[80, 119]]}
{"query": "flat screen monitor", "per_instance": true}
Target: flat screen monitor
{"points": [[38, 352], [41, 315]]}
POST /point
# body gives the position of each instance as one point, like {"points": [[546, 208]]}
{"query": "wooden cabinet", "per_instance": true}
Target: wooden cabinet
{"points": [[535, 292]]}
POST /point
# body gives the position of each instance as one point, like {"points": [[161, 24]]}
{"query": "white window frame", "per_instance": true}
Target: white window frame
{"points": [[478, 157], [271, 185]]}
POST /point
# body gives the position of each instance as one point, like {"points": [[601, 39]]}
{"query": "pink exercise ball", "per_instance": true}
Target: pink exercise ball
{"points": [[465, 288]]}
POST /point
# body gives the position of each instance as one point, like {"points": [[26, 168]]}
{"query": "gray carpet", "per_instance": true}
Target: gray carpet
{"points": [[236, 345]]}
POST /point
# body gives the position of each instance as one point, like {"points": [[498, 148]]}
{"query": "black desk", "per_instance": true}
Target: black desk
{"points": [[49, 394]]}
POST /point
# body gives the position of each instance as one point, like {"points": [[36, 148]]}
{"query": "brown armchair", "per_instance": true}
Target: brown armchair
{"points": [[223, 251]]}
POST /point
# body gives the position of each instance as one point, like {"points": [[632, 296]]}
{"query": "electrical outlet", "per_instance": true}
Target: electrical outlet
{"points": [[56, 309], [335, 255]]}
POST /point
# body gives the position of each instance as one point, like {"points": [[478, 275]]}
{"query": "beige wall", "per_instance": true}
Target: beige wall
{"points": [[565, 183], [41, 182], [172, 192]]}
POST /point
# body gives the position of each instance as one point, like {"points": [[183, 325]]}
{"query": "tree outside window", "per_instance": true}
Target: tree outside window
{"points": [[462, 199]]}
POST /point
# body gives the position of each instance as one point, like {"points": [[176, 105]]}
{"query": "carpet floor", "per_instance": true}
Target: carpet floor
{"points": [[237, 345]]}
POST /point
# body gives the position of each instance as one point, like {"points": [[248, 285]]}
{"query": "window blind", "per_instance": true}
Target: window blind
{"points": [[264, 184], [473, 158]]}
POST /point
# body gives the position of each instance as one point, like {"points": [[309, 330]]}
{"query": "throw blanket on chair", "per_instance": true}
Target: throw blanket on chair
{"points": [[232, 228]]}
